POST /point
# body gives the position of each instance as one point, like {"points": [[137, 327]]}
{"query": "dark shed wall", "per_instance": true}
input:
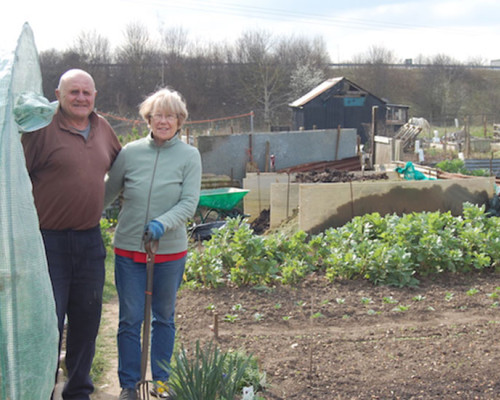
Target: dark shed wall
{"points": [[343, 105], [334, 113]]}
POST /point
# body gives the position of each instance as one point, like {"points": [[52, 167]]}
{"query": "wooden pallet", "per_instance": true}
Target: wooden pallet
{"points": [[407, 134]]}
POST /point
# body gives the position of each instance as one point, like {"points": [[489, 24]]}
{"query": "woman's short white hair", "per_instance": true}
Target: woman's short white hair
{"points": [[165, 101]]}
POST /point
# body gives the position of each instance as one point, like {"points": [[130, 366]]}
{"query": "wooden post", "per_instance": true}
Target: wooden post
{"points": [[339, 130], [266, 169], [467, 138], [250, 149], [216, 326], [491, 163], [373, 131]]}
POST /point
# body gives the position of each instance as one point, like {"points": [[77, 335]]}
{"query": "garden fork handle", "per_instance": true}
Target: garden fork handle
{"points": [[151, 248]]}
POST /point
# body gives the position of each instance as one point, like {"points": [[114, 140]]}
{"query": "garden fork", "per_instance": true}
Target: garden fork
{"points": [[143, 386]]}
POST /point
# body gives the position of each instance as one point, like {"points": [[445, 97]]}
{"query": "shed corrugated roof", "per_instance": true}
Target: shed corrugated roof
{"points": [[329, 83]]}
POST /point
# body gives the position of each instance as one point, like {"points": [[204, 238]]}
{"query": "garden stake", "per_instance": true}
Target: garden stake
{"points": [[142, 386], [216, 326]]}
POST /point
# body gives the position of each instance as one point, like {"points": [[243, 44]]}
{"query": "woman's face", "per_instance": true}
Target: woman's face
{"points": [[164, 126]]}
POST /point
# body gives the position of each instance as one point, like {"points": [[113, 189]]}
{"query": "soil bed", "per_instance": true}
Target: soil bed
{"points": [[353, 340]]}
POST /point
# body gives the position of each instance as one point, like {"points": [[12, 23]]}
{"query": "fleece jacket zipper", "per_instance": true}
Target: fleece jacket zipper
{"points": [[151, 189]]}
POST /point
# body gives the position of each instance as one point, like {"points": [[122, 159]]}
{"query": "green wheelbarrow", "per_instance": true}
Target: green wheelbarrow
{"points": [[220, 201], [214, 206]]}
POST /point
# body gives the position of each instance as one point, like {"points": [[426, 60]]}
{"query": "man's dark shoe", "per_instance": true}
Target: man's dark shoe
{"points": [[128, 394]]}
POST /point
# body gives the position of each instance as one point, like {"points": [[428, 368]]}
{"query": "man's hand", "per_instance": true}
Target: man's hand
{"points": [[154, 230]]}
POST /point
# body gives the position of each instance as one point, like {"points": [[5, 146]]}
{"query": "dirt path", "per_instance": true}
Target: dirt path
{"points": [[109, 388]]}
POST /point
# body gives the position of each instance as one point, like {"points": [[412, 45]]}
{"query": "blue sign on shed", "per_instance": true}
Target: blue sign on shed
{"points": [[354, 101]]}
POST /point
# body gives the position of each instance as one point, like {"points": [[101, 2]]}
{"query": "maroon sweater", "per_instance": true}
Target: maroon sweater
{"points": [[68, 172]]}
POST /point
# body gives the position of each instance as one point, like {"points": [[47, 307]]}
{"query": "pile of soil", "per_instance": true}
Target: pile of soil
{"points": [[334, 175], [260, 225]]}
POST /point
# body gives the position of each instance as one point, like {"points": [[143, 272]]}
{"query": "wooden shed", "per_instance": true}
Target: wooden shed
{"points": [[338, 102]]}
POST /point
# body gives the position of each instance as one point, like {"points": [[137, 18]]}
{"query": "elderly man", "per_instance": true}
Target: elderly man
{"points": [[67, 161]]}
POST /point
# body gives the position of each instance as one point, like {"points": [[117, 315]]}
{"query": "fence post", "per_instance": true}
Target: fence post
{"points": [[467, 138], [373, 132]]}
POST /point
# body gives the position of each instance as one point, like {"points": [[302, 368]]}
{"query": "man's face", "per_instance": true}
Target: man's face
{"points": [[76, 96]]}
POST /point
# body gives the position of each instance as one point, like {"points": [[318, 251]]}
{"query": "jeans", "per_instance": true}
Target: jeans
{"points": [[76, 268], [130, 280]]}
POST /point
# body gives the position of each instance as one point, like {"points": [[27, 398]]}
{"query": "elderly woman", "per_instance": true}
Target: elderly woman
{"points": [[161, 177]]}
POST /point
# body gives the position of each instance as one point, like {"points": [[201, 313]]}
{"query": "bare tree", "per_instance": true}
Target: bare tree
{"points": [[140, 68], [267, 64], [174, 41], [375, 73], [53, 64], [376, 55], [137, 45], [442, 89], [306, 62], [299, 50], [261, 76], [93, 48]]}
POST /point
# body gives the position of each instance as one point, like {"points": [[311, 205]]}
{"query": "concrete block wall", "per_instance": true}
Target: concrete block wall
{"points": [[333, 204], [284, 199], [259, 196]]}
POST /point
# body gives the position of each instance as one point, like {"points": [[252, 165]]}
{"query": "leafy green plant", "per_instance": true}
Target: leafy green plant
{"points": [[449, 296], [106, 232], [401, 308], [238, 307], [231, 318], [386, 250], [472, 291], [389, 300], [457, 165], [300, 303], [258, 317], [212, 374]]}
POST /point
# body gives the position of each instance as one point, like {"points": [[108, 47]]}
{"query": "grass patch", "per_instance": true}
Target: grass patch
{"points": [[105, 344]]}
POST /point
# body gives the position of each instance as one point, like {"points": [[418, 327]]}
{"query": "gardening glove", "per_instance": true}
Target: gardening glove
{"points": [[154, 230]]}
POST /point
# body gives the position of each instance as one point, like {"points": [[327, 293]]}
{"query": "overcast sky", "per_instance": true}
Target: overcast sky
{"points": [[462, 29]]}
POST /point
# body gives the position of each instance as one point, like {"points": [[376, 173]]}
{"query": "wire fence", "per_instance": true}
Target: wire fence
{"points": [[128, 128]]}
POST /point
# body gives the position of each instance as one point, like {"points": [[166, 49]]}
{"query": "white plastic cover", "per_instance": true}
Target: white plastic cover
{"points": [[28, 322]]}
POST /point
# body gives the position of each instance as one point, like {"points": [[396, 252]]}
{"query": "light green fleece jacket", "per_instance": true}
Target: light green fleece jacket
{"points": [[158, 182]]}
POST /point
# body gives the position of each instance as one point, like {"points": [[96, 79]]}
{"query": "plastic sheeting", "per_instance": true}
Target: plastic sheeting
{"points": [[410, 173], [28, 322]]}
